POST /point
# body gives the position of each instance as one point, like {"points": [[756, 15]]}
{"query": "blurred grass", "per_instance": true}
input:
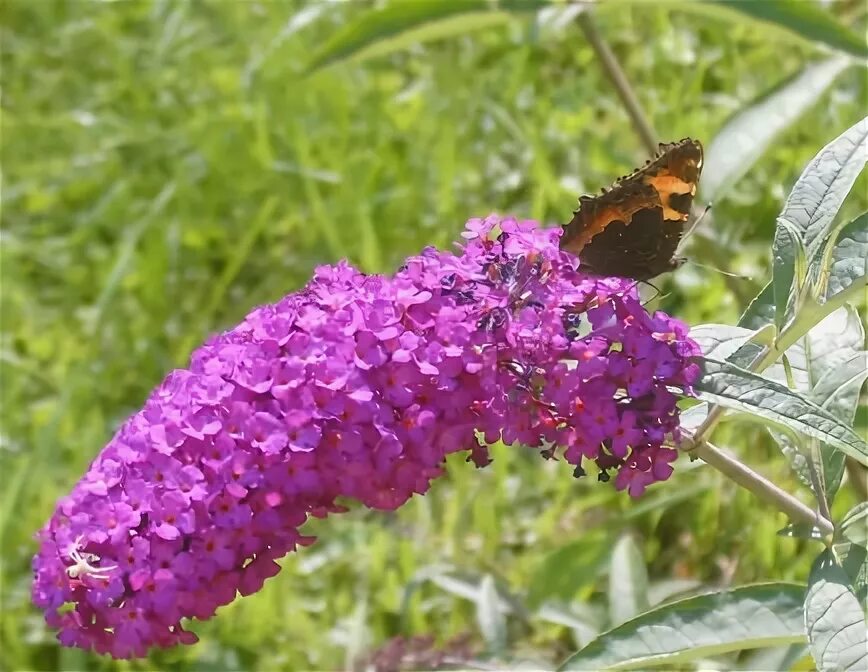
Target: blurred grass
{"points": [[166, 167]]}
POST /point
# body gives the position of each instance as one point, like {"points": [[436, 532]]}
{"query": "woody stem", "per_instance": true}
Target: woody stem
{"points": [[762, 487], [619, 80]]}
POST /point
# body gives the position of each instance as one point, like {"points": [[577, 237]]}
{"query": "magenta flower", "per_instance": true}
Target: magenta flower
{"points": [[357, 387]]}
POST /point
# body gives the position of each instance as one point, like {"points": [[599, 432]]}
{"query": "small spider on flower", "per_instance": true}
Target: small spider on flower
{"points": [[82, 566]]}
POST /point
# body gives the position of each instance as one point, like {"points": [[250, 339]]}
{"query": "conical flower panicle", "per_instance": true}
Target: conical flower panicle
{"points": [[355, 387]]}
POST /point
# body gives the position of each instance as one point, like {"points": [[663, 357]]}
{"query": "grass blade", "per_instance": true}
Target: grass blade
{"points": [[805, 19], [405, 22]]}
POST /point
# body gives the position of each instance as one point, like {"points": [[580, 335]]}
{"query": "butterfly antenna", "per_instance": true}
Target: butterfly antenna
{"points": [[658, 294], [717, 270], [692, 228]]}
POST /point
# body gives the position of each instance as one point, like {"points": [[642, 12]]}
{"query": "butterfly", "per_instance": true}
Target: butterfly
{"points": [[633, 229]]}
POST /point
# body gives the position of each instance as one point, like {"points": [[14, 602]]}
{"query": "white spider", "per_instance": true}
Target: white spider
{"points": [[82, 566]]}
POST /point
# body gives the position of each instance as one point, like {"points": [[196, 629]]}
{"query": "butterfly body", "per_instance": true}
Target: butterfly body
{"points": [[633, 229]]}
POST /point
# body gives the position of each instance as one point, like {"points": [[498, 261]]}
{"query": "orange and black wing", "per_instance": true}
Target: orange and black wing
{"points": [[633, 229]]}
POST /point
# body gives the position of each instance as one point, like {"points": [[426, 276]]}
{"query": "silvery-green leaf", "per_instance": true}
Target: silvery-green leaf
{"points": [[788, 263], [732, 387], [854, 525], [828, 366], [761, 310], [824, 184], [698, 627], [747, 135], [854, 562], [628, 581], [663, 591], [849, 258], [834, 619], [489, 616], [720, 341]]}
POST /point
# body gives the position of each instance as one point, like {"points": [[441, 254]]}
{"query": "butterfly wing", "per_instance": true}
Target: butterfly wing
{"points": [[633, 230]]}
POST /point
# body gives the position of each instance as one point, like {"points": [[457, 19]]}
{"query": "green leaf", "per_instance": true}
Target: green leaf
{"points": [[463, 584], [583, 619], [628, 581], [838, 390], [828, 366], [402, 23], [788, 258], [663, 500], [663, 591], [826, 346], [743, 618], [849, 258], [721, 341], [824, 184], [745, 137], [833, 618], [693, 417], [804, 19], [854, 562], [732, 387], [489, 615], [774, 658], [569, 568], [854, 525], [761, 310], [358, 635]]}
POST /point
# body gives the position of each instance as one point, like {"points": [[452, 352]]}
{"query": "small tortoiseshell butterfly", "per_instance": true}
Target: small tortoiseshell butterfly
{"points": [[632, 229]]}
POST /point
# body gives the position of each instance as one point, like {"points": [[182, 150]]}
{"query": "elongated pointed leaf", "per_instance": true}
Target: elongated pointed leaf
{"points": [[706, 625], [489, 616], [761, 310], [467, 585], [834, 620], [849, 262], [824, 184], [775, 658], [721, 341], [854, 525], [828, 366], [838, 389], [747, 135], [693, 417], [854, 561], [788, 260], [662, 591], [583, 619], [572, 566], [805, 19], [628, 581], [732, 387], [402, 23]]}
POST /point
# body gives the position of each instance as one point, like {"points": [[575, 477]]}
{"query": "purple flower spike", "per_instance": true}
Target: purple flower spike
{"points": [[355, 387]]}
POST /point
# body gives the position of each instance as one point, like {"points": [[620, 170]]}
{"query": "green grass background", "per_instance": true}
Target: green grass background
{"points": [[166, 167]]}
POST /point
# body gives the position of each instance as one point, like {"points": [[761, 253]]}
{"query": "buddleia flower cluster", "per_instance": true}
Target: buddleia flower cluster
{"points": [[355, 388]]}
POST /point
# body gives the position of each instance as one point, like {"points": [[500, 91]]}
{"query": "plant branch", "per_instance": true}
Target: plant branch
{"points": [[791, 333], [619, 80], [762, 487], [740, 473]]}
